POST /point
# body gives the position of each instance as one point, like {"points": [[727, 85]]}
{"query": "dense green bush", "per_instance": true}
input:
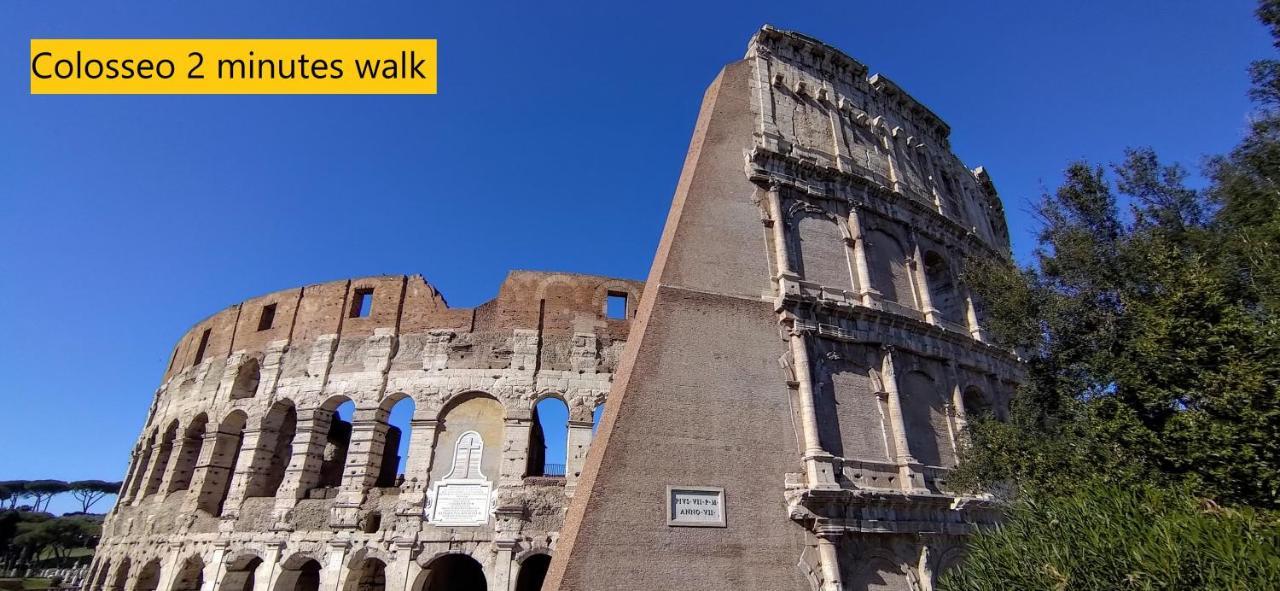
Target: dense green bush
{"points": [[1109, 537]]}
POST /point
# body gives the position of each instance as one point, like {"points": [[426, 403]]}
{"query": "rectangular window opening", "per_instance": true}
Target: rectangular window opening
{"points": [[616, 306], [268, 317], [204, 343], [362, 303]]}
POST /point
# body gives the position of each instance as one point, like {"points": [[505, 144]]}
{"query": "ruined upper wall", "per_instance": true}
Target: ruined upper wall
{"points": [[404, 304], [824, 109]]}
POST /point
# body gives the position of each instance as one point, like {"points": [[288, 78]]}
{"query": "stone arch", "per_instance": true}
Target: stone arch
{"points": [[228, 440], [149, 577], [98, 576], [818, 246], [533, 570], [242, 570], [300, 572], [976, 402], [947, 560], [248, 375], [277, 431], [944, 294], [121, 577], [851, 421], [337, 440], [162, 459], [452, 572], [549, 431], [882, 572], [190, 575], [366, 573], [889, 268], [400, 408], [189, 453], [925, 418], [141, 465], [470, 411]]}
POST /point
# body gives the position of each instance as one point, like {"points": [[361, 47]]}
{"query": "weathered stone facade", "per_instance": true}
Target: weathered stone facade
{"points": [[804, 347], [244, 477], [806, 297]]}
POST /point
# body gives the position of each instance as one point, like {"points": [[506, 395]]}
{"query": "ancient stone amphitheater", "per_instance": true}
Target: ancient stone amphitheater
{"points": [[785, 415]]}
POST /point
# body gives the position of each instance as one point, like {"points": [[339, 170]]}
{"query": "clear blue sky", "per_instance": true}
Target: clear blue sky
{"points": [[555, 143]]}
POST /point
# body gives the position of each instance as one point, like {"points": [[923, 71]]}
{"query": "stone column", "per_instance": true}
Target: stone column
{"points": [[208, 474], [904, 459], [971, 314], [185, 448], [303, 472], [502, 579], [215, 569], [955, 409], [364, 461], [160, 452], [264, 577], [818, 466], [579, 442], [242, 476], [891, 156], [515, 446], [142, 468], [922, 283], [126, 489], [829, 557], [781, 257], [866, 291], [331, 574], [417, 469]]}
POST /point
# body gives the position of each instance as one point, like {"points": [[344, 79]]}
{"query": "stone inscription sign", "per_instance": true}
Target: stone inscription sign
{"points": [[461, 504], [695, 506]]}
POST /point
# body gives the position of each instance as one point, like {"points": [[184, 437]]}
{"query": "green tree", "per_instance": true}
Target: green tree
{"points": [[89, 492]]}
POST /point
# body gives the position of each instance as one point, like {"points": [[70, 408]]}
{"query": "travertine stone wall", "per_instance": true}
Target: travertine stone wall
{"points": [[245, 478], [819, 233]]}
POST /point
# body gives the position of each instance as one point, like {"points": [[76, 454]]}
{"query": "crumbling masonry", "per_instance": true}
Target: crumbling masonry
{"points": [[804, 348]]}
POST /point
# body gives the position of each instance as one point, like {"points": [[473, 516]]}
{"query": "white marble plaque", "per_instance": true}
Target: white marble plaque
{"points": [[695, 506], [460, 503]]}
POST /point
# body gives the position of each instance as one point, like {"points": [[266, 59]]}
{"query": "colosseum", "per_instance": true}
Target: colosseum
{"points": [[787, 391]]}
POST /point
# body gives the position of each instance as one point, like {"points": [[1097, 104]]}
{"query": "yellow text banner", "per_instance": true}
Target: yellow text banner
{"points": [[233, 66]]}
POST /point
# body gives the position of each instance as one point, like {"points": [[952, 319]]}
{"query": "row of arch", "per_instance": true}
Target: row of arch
{"points": [[303, 572], [169, 459]]}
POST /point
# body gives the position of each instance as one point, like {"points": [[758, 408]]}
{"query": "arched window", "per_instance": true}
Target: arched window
{"points": [[549, 438], [247, 377], [370, 575], [454, 572], [149, 576], [119, 581], [533, 569], [925, 419], [395, 447], [241, 572], [226, 452], [942, 288], [887, 262], [190, 576], [596, 415], [188, 454], [976, 403], [162, 459], [140, 467], [299, 573], [275, 450], [337, 441]]}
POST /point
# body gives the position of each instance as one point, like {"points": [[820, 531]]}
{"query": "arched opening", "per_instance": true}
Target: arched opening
{"points": [[532, 571], [337, 442], [371, 575], [395, 447], [188, 454], [97, 579], [162, 459], [890, 275], [241, 572], [140, 467], [942, 288], [190, 576], [247, 378], [596, 415], [299, 574], [149, 576], [219, 472], [481, 416], [275, 449], [976, 404], [454, 572], [122, 576], [549, 438], [925, 418]]}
